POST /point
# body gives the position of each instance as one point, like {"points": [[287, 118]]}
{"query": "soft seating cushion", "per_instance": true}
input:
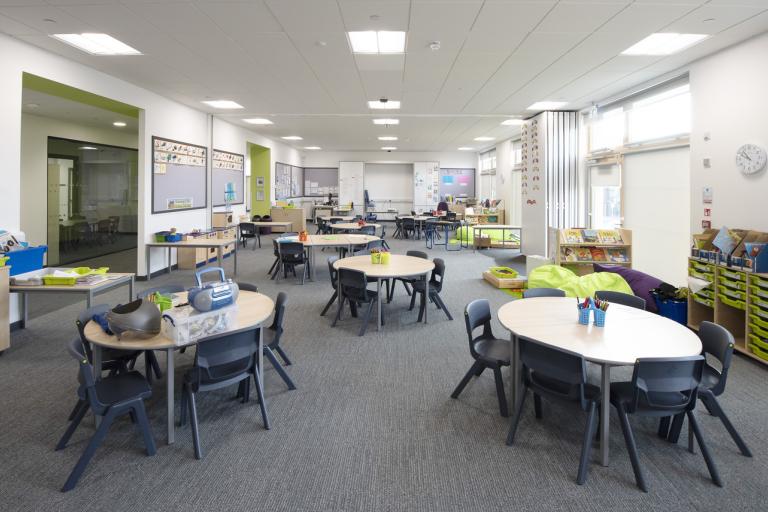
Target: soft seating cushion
{"points": [[467, 234], [554, 276], [640, 282]]}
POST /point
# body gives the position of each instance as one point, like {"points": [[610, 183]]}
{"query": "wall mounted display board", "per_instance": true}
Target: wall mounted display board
{"points": [[321, 181], [227, 168], [297, 181], [457, 182], [426, 185], [179, 176], [289, 181]]}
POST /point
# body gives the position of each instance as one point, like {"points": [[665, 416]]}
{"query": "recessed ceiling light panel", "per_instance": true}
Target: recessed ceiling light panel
{"points": [[465, 148], [223, 104], [664, 43], [384, 104], [547, 105], [87, 148], [97, 44], [387, 137], [381, 42], [513, 122], [293, 137], [313, 148], [483, 139], [257, 120], [119, 124], [389, 122], [388, 148]]}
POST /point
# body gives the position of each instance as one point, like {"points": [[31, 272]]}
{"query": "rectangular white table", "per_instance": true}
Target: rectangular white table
{"points": [[198, 243]]}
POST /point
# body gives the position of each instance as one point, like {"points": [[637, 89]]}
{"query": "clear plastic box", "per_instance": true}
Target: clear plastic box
{"points": [[184, 325]]}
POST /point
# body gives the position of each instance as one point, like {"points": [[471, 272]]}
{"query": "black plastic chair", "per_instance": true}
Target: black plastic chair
{"points": [[487, 350], [248, 287], [353, 286], [368, 230], [406, 280], [398, 228], [275, 268], [558, 375], [274, 345], [624, 299], [435, 287], [334, 282], [292, 255], [662, 387], [543, 292], [717, 342], [408, 226], [249, 231], [219, 363], [112, 360], [109, 398]]}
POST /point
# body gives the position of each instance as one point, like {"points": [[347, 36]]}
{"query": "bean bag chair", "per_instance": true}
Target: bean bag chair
{"points": [[554, 276], [641, 283]]}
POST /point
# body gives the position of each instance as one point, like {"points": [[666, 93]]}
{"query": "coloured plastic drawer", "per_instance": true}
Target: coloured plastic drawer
{"points": [[759, 281], [756, 329], [758, 294], [701, 267], [731, 274], [699, 275], [706, 293], [738, 304], [732, 294], [756, 311], [730, 283], [758, 351], [704, 301]]}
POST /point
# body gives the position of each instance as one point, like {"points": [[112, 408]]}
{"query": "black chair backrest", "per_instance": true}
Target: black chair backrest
{"points": [[450, 216], [665, 386], [477, 313], [383, 231], [543, 292], [354, 284], [276, 247], [413, 213], [566, 370], [409, 224], [87, 388], [226, 357], [438, 275], [165, 289], [417, 254], [717, 342], [291, 250], [332, 271], [247, 228], [277, 322], [83, 318], [248, 287], [368, 230], [624, 299], [375, 244]]}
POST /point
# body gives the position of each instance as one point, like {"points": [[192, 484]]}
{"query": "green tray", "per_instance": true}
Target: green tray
{"points": [[759, 293], [699, 275], [756, 311], [731, 293], [702, 267], [50, 280], [706, 302], [755, 326], [759, 352], [730, 283], [738, 276], [759, 281], [757, 321], [738, 304], [706, 293]]}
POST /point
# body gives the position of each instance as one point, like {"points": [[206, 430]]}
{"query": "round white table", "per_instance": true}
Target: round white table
{"points": [[351, 226], [398, 266], [629, 334], [252, 310]]}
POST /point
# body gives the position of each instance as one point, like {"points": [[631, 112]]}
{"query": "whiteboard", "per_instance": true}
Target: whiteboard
{"points": [[389, 182], [351, 184]]}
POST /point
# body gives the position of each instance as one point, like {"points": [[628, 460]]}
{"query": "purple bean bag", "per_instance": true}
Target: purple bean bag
{"points": [[641, 283]]}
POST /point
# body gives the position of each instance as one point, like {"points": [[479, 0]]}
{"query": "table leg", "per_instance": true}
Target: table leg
{"points": [[89, 299], [426, 295], [24, 310], [605, 417], [131, 283], [97, 365], [378, 303], [220, 256], [146, 256], [169, 260], [170, 378]]}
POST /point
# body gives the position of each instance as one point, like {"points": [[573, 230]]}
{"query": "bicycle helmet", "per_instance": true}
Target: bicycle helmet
{"points": [[139, 318]]}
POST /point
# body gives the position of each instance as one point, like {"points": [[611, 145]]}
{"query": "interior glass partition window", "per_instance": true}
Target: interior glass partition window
{"points": [[488, 174], [92, 200]]}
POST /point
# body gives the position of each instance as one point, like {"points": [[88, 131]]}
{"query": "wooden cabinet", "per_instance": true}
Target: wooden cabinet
{"points": [[293, 215], [190, 259], [5, 327], [496, 217]]}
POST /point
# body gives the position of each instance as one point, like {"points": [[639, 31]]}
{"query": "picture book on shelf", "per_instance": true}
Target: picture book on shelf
{"points": [[617, 255], [583, 254], [598, 254], [572, 236], [569, 254], [609, 236], [590, 236]]}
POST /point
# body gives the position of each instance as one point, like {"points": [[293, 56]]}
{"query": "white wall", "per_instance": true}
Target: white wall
{"points": [[656, 209], [35, 131], [730, 103], [459, 159]]}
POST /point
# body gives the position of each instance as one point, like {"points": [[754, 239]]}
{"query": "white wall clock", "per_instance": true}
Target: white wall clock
{"points": [[751, 159]]}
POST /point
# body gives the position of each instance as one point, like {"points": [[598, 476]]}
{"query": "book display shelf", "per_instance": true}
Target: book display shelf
{"points": [[578, 249]]}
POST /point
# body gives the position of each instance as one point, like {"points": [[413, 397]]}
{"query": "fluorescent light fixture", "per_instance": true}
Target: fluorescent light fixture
{"points": [[88, 148], [388, 148], [292, 137], [119, 124], [313, 148], [465, 148], [386, 121], [513, 122], [664, 43], [223, 104], [547, 105], [257, 120], [384, 104], [97, 44], [484, 139], [381, 42], [387, 137]]}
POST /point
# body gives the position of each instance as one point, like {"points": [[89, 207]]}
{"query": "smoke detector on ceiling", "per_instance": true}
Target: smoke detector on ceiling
{"points": [[434, 46]]}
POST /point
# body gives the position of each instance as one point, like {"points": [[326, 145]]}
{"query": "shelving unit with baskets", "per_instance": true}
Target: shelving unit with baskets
{"points": [[578, 249]]}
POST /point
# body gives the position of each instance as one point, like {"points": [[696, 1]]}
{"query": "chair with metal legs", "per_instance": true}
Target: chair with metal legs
{"points": [[435, 287], [108, 398], [406, 280], [274, 345]]}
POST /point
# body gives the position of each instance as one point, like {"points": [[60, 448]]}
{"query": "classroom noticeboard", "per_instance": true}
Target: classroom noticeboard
{"points": [[179, 175], [227, 168]]}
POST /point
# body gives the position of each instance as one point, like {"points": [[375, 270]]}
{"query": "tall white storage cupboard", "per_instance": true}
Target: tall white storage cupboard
{"points": [[549, 178]]}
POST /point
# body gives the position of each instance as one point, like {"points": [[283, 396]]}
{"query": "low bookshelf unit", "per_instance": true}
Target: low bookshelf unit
{"points": [[578, 249]]}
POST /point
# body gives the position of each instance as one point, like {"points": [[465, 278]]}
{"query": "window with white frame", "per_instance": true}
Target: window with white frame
{"points": [[488, 174]]}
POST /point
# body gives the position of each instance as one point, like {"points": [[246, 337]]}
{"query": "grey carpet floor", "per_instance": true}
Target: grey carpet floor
{"points": [[372, 426]]}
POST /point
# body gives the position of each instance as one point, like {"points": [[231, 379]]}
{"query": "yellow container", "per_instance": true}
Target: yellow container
{"points": [[375, 258], [384, 258]]}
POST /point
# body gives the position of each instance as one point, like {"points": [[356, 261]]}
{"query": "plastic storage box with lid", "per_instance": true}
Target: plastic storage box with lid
{"points": [[26, 259], [184, 325]]}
